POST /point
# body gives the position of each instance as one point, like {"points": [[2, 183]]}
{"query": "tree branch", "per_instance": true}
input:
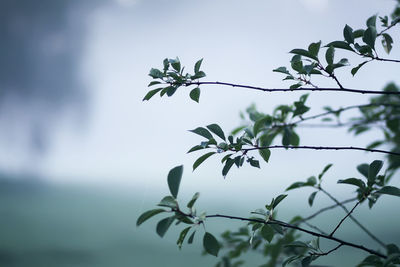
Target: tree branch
{"points": [[286, 225], [328, 252], [294, 90], [344, 218]]}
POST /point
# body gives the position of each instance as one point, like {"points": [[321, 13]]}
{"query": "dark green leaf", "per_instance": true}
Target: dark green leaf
{"points": [[211, 244], [195, 148], [202, 159], [294, 139], [156, 73], [216, 130], [312, 181], [295, 86], [195, 94], [191, 237], [147, 215], [371, 22], [193, 200], [153, 83], [374, 169], [363, 169], [202, 132], [265, 153], [291, 259], [358, 33], [297, 185], [282, 70], [171, 90], [287, 133], [198, 75], [313, 48], [163, 225], [306, 261], [340, 45], [348, 34], [267, 232], [151, 93], [166, 64], [304, 53], [370, 37], [355, 69], [169, 202], [353, 181], [327, 167], [311, 198], [387, 42], [174, 180], [254, 162], [298, 244], [182, 236], [389, 190], [228, 165], [260, 123], [329, 55], [197, 66], [277, 228], [277, 200]]}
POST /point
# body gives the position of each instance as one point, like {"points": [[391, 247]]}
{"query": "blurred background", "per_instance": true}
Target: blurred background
{"points": [[82, 156]]}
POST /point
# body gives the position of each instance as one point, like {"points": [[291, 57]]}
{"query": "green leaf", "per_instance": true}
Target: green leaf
{"points": [[277, 200], [340, 45], [304, 53], [348, 34], [197, 66], [282, 70], [389, 190], [202, 159], [363, 169], [147, 215], [355, 69], [171, 90], [214, 128], [267, 233], [387, 42], [353, 181], [265, 154], [166, 64], [195, 94], [191, 238], [156, 73], [260, 123], [195, 148], [277, 228], [306, 261], [211, 244], [228, 165], [163, 225], [254, 162], [198, 75], [151, 93], [371, 21], [153, 83], [174, 180], [291, 259], [202, 132], [374, 169], [294, 139], [313, 48], [370, 37], [169, 202], [329, 55], [182, 236], [311, 198], [287, 132], [176, 64], [298, 244], [193, 200], [327, 167], [358, 33]]}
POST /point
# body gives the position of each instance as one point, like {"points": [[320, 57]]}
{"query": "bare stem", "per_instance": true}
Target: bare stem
{"points": [[328, 252], [344, 218]]}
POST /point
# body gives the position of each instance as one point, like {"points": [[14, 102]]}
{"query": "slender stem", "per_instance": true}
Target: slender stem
{"points": [[328, 252], [344, 243], [315, 227], [323, 148], [344, 218], [293, 90], [326, 208], [386, 59], [388, 27], [372, 236]]}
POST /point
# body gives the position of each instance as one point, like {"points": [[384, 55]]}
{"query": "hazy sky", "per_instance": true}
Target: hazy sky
{"points": [[125, 140]]}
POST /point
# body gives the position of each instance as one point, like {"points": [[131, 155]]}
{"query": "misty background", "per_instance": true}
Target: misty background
{"points": [[82, 156]]}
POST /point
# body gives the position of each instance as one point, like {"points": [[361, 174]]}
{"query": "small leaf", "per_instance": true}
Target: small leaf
{"points": [[211, 244], [313, 48], [265, 154], [228, 165], [340, 45], [304, 53], [163, 225], [389, 190], [182, 236], [298, 244], [151, 93], [277, 228], [353, 181], [147, 215], [195, 94], [193, 200], [176, 64], [195, 148], [348, 34], [387, 42], [282, 70], [355, 69], [197, 66], [156, 73], [267, 232], [277, 200], [370, 37], [202, 132], [169, 202], [191, 238], [371, 21], [374, 169], [297, 185], [216, 129], [174, 180], [327, 167], [254, 163], [153, 83], [198, 75], [171, 90], [311, 198], [363, 169], [287, 132], [202, 159], [329, 55]]}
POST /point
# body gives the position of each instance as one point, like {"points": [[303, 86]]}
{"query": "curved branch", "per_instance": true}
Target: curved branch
{"points": [[323, 148], [294, 90], [287, 225]]}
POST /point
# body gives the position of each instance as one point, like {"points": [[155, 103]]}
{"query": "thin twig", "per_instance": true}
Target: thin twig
{"points": [[344, 218], [323, 148], [328, 252], [353, 218], [294, 90]]}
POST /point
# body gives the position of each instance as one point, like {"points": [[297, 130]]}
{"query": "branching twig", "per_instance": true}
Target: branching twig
{"points": [[344, 218], [328, 252], [297, 89]]}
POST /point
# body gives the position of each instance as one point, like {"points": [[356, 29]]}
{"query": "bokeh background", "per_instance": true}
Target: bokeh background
{"points": [[82, 156]]}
